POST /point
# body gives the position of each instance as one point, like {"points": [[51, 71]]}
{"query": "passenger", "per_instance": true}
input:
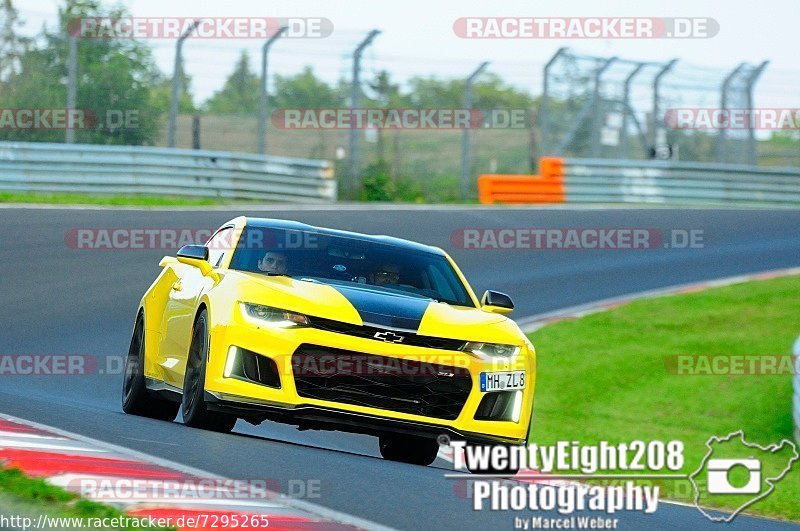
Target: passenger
{"points": [[387, 275]]}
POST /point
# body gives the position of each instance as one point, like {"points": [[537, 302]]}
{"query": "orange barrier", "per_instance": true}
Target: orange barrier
{"points": [[545, 188]]}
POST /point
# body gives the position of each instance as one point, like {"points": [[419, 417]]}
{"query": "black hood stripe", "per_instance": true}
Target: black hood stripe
{"points": [[383, 309]]}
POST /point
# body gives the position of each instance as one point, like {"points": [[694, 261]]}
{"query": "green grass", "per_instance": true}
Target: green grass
{"points": [[24, 496], [604, 377], [114, 200]]}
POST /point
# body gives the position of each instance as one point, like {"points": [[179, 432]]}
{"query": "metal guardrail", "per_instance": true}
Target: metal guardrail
{"points": [[684, 183], [796, 397], [136, 170]]}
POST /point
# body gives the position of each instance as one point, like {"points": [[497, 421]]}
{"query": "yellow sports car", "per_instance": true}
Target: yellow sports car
{"points": [[332, 330]]}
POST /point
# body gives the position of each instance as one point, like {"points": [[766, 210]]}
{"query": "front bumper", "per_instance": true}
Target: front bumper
{"points": [[255, 402]]}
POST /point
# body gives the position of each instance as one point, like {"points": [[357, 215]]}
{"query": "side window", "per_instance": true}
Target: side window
{"points": [[220, 245]]}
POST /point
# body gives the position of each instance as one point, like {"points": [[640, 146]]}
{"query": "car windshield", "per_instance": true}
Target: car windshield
{"points": [[332, 259]]}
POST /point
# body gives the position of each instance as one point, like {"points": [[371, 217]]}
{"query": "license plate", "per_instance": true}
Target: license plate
{"points": [[502, 381]]}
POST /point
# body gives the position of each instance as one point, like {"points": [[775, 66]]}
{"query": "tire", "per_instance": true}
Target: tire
{"points": [[136, 399], [408, 449], [193, 405]]}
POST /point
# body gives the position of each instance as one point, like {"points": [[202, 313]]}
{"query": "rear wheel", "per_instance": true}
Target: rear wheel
{"points": [[409, 449], [136, 400], [193, 405]]}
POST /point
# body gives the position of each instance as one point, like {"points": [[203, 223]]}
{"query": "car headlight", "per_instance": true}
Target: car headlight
{"points": [[492, 350], [275, 317]]}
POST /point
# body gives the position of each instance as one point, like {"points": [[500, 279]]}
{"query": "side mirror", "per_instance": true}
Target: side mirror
{"points": [[496, 302], [197, 256], [196, 252]]}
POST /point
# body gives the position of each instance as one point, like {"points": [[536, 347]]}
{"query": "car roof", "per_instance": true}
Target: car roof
{"points": [[269, 223]]}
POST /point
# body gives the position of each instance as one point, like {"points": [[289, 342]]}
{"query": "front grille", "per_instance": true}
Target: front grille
{"points": [[409, 338], [404, 386]]}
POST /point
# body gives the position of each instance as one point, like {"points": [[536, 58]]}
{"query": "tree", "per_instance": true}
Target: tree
{"points": [[115, 77], [305, 90], [488, 93], [12, 46], [162, 93], [240, 93]]}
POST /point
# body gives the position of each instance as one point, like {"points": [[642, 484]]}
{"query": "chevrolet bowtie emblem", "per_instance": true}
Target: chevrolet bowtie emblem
{"points": [[389, 337]]}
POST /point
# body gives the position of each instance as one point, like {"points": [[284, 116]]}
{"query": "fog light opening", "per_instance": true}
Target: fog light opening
{"points": [[517, 406], [230, 361]]}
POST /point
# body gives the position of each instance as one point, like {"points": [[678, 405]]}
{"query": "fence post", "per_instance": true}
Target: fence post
{"points": [[596, 105], [543, 116], [352, 181], [752, 155], [626, 108], [656, 86], [72, 83], [466, 157], [262, 99], [196, 131], [176, 84], [721, 155]]}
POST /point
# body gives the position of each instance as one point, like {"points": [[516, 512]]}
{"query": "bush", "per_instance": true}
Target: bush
{"points": [[379, 186]]}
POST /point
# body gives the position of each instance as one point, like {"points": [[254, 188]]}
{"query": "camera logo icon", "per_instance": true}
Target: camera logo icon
{"points": [[719, 476], [738, 471]]}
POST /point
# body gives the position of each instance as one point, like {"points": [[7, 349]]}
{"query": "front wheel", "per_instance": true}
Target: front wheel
{"points": [[193, 404], [136, 400], [409, 449]]}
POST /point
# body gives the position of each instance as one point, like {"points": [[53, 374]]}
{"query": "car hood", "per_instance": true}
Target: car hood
{"points": [[364, 305]]}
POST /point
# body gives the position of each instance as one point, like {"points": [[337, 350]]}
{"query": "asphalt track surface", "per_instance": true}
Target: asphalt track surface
{"points": [[58, 300]]}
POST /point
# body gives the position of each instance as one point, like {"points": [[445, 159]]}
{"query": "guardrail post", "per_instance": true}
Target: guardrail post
{"points": [[465, 147], [262, 100]]}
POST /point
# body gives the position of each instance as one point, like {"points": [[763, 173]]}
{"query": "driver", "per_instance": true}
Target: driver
{"points": [[387, 274], [273, 263]]}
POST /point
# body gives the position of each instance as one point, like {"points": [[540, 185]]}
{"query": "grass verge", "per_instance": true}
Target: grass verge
{"points": [[112, 200], [607, 376], [25, 497]]}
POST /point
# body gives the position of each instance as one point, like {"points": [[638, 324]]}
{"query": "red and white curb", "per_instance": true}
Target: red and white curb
{"points": [[73, 461]]}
